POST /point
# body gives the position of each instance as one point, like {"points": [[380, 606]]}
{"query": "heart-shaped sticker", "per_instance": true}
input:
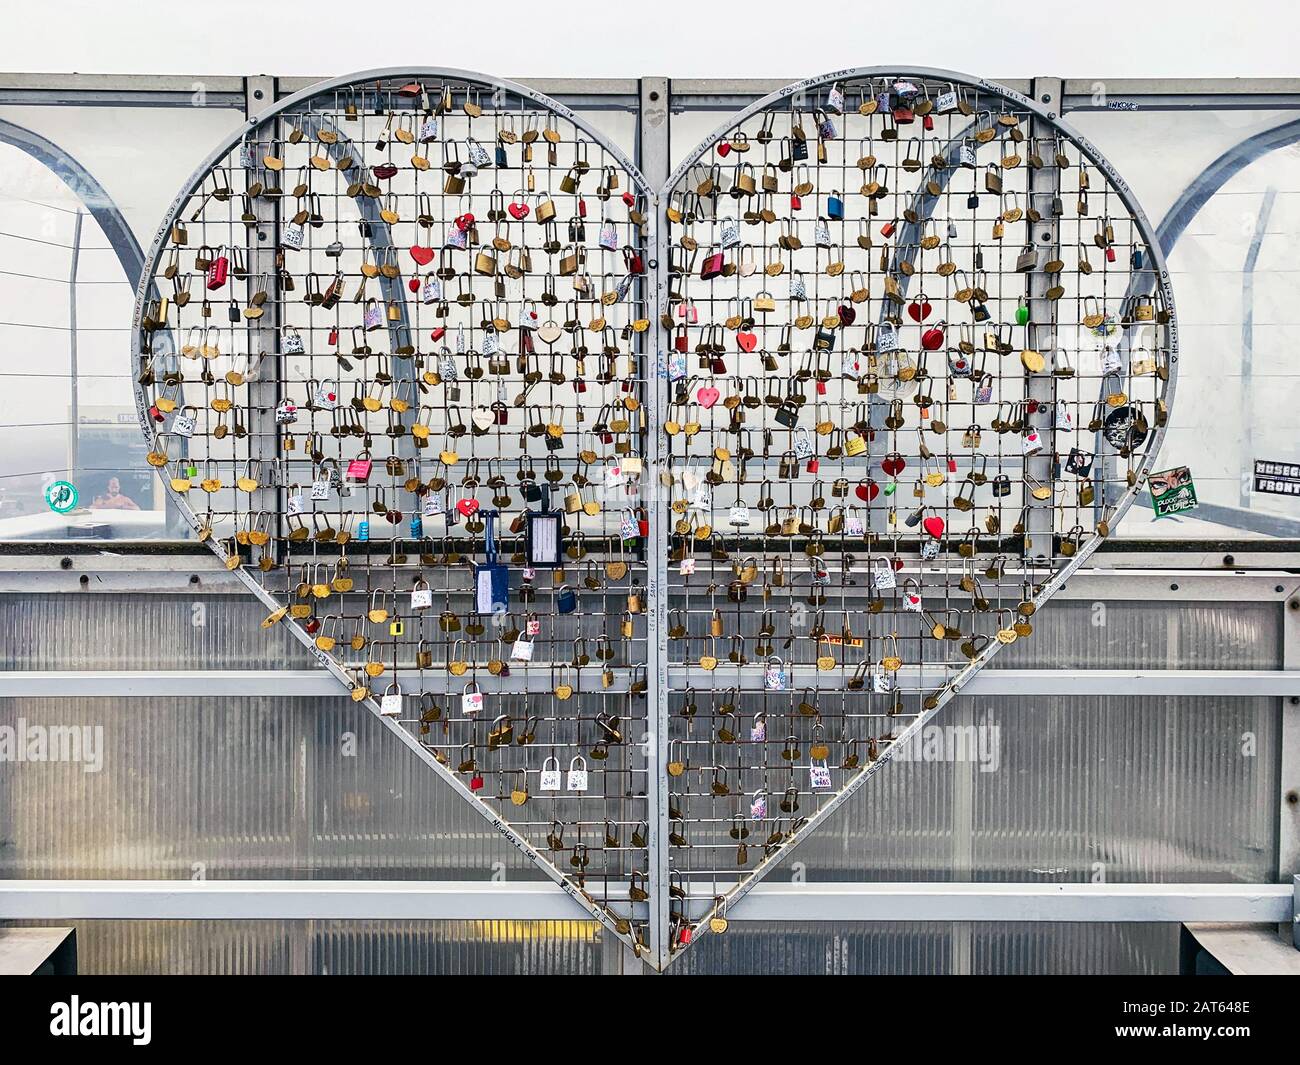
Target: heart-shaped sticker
{"points": [[421, 254], [707, 397]]}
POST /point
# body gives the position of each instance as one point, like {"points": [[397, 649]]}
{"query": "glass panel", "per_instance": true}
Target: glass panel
{"points": [[66, 295]]}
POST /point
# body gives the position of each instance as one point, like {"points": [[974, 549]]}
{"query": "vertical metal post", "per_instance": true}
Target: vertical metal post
{"points": [[1044, 187], [74, 405], [1288, 835], [653, 160], [264, 333]]}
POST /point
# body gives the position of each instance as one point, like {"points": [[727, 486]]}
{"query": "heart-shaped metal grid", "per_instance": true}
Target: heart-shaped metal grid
{"points": [[768, 635]]}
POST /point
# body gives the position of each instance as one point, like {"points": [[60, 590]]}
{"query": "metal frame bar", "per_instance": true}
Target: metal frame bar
{"points": [[359, 900]]}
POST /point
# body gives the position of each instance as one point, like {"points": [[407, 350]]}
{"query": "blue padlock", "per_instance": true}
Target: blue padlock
{"points": [[417, 527], [566, 600], [363, 531], [835, 206]]}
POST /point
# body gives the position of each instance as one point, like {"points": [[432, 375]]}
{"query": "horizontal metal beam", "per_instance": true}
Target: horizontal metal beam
{"points": [[1253, 683], [68, 900]]}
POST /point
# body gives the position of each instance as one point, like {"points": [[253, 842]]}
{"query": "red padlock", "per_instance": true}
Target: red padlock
{"points": [[334, 334], [887, 230], [724, 148], [476, 782], [582, 207], [932, 338], [814, 464], [796, 201], [633, 262], [218, 272], [642, 522]]}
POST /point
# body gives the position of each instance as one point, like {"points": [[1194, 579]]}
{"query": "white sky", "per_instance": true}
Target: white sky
{"points": [[752, 38]]}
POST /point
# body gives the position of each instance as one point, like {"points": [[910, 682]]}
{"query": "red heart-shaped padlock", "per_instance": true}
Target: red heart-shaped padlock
{"points": [[747, 341], [414, 284], [464, 222], [421, 254], [518, 211], [867, 491], [893, 464], [707, 397], [897, 564], [467, 507], [847, 313], [724, 148], [934, 526], [919, 310]]}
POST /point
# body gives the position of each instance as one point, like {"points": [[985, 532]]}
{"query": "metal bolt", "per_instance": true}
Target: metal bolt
{"points": [[1292, 797], [1228, 560], [65, 563]]}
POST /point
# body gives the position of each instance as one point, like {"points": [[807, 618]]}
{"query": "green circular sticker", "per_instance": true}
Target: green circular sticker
{"points": [[61, 496]]}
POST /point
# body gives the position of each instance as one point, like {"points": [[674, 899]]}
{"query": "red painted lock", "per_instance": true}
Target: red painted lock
{"points": [[633, 261], [629, 199], [928, 123], [904, 115], [932, 338], [156, 414], [724, 148], [893, 464], [579, 385], [712, 266], [642, 523], [796, 201], [1110, 255], [582, 207], [814, 464], [465, 222], [887, 230], [681, 342], [684, 936], [438, 333], [952, 464], [334, 334], [218, 272], [821, 387], [312, 626], [476, 782]]}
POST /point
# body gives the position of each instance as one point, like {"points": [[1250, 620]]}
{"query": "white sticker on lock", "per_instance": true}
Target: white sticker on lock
{"points": [[550, 775], [471, 700], [819, 776], [577, 780], [391, 704]]}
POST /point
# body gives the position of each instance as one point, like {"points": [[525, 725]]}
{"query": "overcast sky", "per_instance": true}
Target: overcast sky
{"points": [[758, 38]]}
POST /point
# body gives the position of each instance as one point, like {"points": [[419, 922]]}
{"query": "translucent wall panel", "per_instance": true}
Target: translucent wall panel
{"points": [[535, 948]]}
